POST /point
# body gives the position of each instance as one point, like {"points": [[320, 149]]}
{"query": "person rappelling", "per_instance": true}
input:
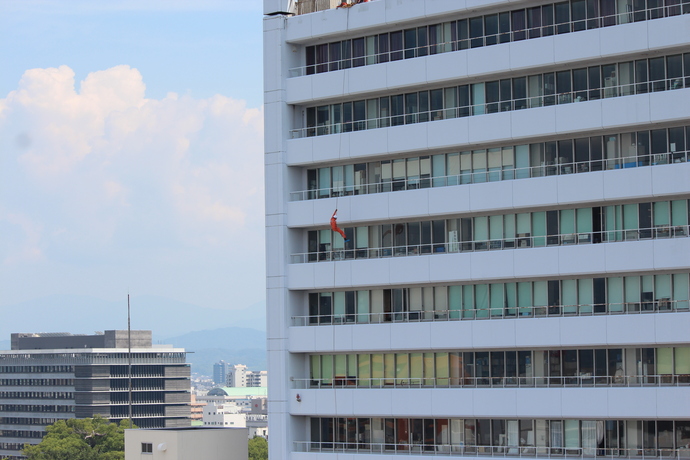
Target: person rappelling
{"points": [[334, 225]]}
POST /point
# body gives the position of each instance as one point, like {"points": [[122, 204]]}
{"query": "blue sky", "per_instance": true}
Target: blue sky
{"points": [[196, 47], [131, 139]]}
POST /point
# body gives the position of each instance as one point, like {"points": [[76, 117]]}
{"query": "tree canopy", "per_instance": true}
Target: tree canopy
{"points": [[81, 439], [258, 448]]}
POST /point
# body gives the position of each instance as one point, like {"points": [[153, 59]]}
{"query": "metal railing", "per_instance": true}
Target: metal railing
{"points": [[508, 105], [465, 450], [414, 316], [491, 175], [496, 382], [311, 6], [522, 240]]}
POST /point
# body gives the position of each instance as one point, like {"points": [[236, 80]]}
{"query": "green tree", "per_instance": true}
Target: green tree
{"points": [[81, 439], [258, 448]]}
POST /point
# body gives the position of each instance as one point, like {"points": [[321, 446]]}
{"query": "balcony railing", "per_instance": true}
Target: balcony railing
{"points": [[562, 27], [417, 316], [490, 175], [518, 242], [497, 382], [462, 450], [508, 105]]}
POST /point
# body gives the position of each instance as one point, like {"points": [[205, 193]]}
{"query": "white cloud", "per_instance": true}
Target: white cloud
{"points": [[101, 171]]}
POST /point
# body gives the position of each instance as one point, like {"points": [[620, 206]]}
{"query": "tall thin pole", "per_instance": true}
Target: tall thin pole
{"points": [[129, 359]]}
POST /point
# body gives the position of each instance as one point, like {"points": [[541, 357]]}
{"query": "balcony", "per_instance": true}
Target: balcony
{"points": [[585, 380], [519, 241]]}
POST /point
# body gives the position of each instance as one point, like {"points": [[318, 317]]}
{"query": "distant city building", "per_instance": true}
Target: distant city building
{"points": [[257, 379], [239, 376], [220, 373], [237, 407], [52, 376], [186, 443]]}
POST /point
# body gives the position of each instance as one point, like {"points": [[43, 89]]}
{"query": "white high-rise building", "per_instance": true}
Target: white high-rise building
{"points": [[513, 185], [237, 375]]}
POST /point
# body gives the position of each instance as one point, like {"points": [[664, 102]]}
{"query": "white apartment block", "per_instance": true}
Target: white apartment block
{"points": [[512, 179], [239, 376], [257, 379]]}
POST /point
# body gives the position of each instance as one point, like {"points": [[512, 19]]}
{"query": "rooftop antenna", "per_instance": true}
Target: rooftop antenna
{"points": [[129, 359]]}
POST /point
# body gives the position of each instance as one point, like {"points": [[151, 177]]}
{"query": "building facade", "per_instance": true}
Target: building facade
{"points": [[257, 379], [237, 407], [48, 377], [220, 373], [512, 182], [239, 376], [186, 443]]}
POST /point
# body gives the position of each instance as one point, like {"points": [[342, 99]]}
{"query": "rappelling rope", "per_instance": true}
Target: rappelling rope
{"points": [[337, 200]]}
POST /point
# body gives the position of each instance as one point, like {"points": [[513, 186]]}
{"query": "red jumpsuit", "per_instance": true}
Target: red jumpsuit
{"points": [[334, 225]]}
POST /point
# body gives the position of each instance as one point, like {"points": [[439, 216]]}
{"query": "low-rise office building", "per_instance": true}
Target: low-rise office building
{"points": [[52, 376]]}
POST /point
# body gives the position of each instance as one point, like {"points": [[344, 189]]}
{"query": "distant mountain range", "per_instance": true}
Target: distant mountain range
{"points": [[234, 345], [84, 315], [240, 340]]}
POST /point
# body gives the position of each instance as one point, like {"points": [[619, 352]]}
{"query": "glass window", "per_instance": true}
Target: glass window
{"points": [[615, 294], [534, 22], [657, 73], [579, 13], [481, 292], [416, 368], [450, 102], [359, 115], [371, 50], [358, 52], [547, 20], [680, 291], [564, 87], [572, 434], [476, 32], [538, 228], [562, 11], [384, 48], [518, 24], [491, 29], [580, 85], [478, 99], [410, 43], [429, 371], [396, 44], [504, 27]]}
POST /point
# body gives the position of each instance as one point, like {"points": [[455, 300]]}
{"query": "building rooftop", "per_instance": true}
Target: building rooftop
{"points": [[65, 340]]}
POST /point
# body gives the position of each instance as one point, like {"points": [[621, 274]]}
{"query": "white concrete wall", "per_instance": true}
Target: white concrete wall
{"points": [[185, 444], [509, 264], [538, 403], [642, 330]]}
